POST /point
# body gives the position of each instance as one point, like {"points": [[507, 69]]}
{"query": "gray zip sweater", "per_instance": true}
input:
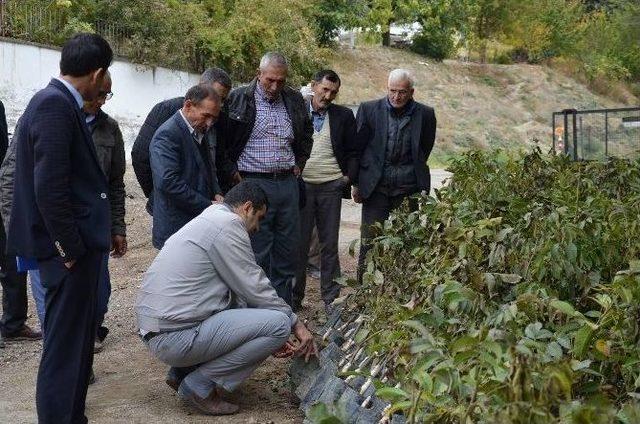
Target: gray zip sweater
{"points": [[206, 267]]}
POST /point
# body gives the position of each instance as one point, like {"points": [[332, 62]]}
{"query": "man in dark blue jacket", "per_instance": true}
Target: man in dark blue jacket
{"points": [[220, 81], [184, 181], [60, 216]]}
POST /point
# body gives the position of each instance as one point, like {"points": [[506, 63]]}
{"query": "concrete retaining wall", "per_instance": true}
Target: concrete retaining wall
{"points": [[26, 68]]}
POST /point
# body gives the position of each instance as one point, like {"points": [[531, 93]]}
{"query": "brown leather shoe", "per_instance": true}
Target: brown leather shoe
{"points": [[24, 333], [212, 405], [173, 383]]}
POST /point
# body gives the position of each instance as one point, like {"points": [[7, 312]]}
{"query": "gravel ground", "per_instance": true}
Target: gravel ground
{"points": [[130, 384]]}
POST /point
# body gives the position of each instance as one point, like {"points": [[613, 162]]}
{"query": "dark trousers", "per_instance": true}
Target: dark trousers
{"points": [[322, 208], [276, 243], [104, 292], [69, 334], [14, 290], [14, 295], [376, 208]]}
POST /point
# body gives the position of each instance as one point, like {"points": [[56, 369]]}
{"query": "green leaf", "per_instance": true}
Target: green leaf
{"points": [[361, 335], [572, 252], [392, 394], [554, 350], [582, 341], [580, 365], [319, 414], [419, 327], [563, 307], [463, 343]]}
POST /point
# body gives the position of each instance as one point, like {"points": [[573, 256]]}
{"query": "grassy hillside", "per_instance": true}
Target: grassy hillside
{"points": [[476, 105]]}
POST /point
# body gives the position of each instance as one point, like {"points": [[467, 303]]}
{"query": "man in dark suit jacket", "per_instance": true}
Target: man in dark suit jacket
{"points": [[184, 183], [396, 135], [220, 81], [60, 216], [327, 174]]}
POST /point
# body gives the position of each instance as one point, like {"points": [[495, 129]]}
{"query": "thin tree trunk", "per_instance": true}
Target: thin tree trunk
{"points": [[386, 35]]}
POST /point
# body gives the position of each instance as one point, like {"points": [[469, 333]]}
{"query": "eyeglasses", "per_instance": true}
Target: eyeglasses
{"points": [[105, 95]]}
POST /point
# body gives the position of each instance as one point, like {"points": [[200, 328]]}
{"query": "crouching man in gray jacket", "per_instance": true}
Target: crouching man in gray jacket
{"points": [[189, 306]]}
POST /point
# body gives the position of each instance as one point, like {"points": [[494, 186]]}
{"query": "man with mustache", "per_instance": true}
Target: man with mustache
{"points": [[269, 138], [184, 183], [327, 174]]}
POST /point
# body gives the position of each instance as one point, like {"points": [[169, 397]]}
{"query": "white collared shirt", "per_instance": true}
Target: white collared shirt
{"points": [[196, 135], [74, 92]]}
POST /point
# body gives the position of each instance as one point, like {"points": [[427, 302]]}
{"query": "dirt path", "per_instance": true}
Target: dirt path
{"points": [[130, 384]]}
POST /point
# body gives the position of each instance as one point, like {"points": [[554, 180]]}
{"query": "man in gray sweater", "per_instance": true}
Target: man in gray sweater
{"points": [[208, 310]]}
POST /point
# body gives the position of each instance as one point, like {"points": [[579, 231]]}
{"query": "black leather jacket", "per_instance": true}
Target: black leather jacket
{"points": [[241, 110]]}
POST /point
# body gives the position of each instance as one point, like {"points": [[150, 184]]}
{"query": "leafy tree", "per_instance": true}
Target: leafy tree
{"points": [[444, 27], [331, 15]]}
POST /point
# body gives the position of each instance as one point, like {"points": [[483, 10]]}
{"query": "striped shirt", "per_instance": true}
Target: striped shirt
{"points": [[269, 148]]}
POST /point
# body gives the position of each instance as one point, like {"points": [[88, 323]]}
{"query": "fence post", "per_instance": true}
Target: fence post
{"points": [[606, 134], [566, 133], [575, 136], [553, 132]]}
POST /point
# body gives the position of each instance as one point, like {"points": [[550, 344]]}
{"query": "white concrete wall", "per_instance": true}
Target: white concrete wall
{"points": [[26, 68]]}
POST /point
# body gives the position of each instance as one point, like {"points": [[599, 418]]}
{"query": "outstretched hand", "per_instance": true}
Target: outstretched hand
{"points": [[306, 344]]}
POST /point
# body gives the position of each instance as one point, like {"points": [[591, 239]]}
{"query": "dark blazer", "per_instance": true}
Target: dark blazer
{"points": [[343, 141], [372, 131], [4, 132], [107, 139], [60, 202], [241, 109], [181, 186], [160, 113]]}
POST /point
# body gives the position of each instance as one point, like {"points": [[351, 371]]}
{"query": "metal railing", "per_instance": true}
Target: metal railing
{"points": [[597, 134], [44, 23]]}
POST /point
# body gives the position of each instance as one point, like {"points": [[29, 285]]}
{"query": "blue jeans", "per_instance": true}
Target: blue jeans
{"points": [[104, 292], [276, 243], [39, 293]]}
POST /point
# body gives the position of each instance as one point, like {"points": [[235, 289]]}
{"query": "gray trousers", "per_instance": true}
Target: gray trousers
{"points": [[322, 209], [224, 349]]}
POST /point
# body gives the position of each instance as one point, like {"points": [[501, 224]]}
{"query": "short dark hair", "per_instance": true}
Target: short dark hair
{"points": [[213, 75], [328, 74], [247, 191], [84, 53], [199, 92]]}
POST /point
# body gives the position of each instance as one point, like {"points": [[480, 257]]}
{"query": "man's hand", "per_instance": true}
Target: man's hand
{"points": [[118, 245], [287, 350], [307, 346], [70, 264], [218, 198], [296, 171], [355, 193]]}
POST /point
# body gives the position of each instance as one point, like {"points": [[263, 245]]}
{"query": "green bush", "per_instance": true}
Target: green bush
{"points": [[502, 301], [437, 45]]}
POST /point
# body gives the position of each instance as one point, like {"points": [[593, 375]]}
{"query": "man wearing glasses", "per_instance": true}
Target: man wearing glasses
{"points": [[396, 135], [109, 145]]}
